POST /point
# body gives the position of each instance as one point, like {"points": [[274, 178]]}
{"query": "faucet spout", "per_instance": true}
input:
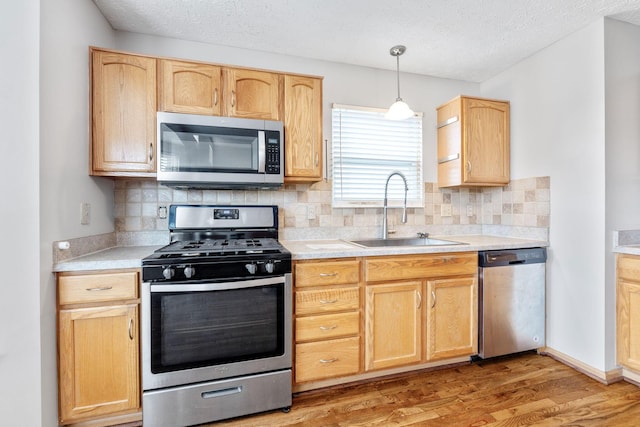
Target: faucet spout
{"points": [[385, 232]]}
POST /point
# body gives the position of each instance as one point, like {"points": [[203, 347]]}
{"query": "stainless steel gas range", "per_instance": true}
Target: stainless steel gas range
{"points": [[216, 317]]}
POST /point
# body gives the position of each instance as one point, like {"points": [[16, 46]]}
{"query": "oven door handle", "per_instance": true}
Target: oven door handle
{"points": [[218, 286]]}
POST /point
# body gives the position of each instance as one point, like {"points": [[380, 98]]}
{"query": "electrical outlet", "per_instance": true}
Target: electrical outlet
{"points": [[311, 212], [469, 210], [445, 209], [85, 213]]}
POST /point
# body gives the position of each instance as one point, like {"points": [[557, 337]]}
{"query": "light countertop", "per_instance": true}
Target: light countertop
{"points": [[310, 249], [131, 256], [108, 259], [627, 249]]}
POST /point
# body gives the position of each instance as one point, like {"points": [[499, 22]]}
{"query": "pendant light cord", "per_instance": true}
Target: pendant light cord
{"points": [[398, 76]]}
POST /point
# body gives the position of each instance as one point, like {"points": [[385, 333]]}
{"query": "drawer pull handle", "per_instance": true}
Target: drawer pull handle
{"points": [[221, 393], [328, 328], [100, 288], [333, 359], [419, 300], [328, 301], [433, 296], [215, 96], [328, 274]]}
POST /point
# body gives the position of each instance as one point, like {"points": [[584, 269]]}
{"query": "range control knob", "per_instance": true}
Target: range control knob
{"points": [[168, 273], [189, 272], [251, 268], [269, 267]]}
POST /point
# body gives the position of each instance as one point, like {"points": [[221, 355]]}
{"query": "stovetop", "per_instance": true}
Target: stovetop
{"points": [[220, 247], [219, 242]]}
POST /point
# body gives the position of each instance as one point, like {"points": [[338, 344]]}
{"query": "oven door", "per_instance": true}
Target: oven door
{"points": [[205, 331]]}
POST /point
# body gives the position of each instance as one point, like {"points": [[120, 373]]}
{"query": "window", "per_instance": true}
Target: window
{"points": [[366, 148]]}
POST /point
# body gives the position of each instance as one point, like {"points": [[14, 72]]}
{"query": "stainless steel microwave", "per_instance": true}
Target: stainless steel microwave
{"points": [[196, 151]]}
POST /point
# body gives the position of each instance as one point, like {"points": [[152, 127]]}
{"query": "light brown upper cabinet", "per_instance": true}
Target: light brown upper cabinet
{"points": [[127, 90], [189, 87], [473, 142], [303, 128], [123, 117], [251, 94]]}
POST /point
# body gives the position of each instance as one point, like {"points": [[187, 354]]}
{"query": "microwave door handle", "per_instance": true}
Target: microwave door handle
{"points": [[262, 151]]}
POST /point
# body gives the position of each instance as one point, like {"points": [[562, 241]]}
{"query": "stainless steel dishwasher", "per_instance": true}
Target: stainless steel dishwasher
{"points": [[511, 301]]}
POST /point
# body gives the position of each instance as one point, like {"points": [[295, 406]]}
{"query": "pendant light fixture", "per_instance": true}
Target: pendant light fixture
{"points": [[399, 110]]}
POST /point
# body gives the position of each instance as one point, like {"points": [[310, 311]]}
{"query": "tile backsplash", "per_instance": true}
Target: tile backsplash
{"points": [[305, 212]]}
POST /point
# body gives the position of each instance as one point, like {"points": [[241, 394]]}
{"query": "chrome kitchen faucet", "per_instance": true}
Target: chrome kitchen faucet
{"points": [[404, 208]]}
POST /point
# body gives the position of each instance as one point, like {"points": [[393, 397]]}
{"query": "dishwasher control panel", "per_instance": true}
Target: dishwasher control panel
{"points": [[512, 256]]}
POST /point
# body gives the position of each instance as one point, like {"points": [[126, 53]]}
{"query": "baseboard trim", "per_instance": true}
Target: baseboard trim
{"points": [[631, 376], [605, 377]]}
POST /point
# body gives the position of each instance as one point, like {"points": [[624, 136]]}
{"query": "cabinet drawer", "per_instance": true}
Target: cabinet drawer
{"points": [[419, 267], [327, 326], [327, 359], [629, 267], [97, 287], [327, 300], [327, 273]]}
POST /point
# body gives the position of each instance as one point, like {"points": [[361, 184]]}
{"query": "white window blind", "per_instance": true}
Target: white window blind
{"points": [[366, 148]]}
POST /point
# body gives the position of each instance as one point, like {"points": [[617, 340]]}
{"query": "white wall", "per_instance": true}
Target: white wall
{"points": [[622, 83], [19, 289], [67, 28], [557, 129]]}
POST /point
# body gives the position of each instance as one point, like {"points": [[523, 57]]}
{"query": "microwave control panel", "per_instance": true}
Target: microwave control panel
{"points": [[273, 155]]}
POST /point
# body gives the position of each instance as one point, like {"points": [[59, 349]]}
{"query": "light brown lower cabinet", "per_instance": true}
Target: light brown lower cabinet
{"points": [[412, 309], [327, 319], [393, 324], [98, 347], [452, 317], [628, 311]]}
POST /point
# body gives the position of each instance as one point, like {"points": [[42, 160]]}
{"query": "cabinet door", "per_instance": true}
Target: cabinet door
{"points": [[452, 318], [98, 361], [187, 87], [303, 128], [123, 114], [393, 324], [251, 94], [628, 323], [485, 141]]}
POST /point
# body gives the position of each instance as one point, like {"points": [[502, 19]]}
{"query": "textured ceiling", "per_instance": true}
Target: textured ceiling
{"points": [[470, 40]]}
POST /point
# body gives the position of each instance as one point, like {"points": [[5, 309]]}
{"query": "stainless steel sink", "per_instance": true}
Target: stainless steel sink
{"points": [[412, 241]]}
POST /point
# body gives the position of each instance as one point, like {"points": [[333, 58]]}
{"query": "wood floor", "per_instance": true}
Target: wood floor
{"points": [[522, 390]]}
